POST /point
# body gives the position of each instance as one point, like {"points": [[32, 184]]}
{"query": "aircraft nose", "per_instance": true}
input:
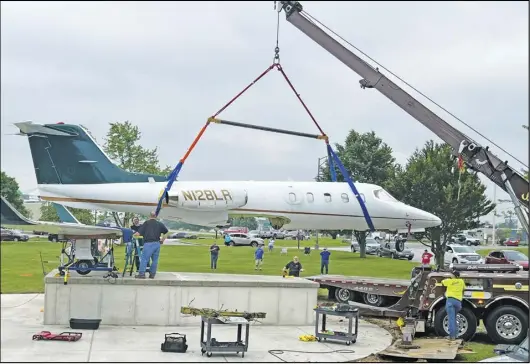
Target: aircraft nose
{"points": [[423, 219]]}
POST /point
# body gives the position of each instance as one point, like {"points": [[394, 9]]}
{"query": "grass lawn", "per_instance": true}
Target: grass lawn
{"points": [[22, 272]]}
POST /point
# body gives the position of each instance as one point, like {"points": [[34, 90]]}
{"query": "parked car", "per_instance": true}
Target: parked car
{"points": [[245, 239], [372, 246], [388, 249], [465, 239], [507, 257], [182, 235], [235, 229], [293, 235], [511, 242], [455, 253], [54, 238], [278, 234], [13, 235]]}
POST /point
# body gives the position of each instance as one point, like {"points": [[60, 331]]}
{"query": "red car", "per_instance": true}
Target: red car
{"points": [[511, 242], [507, 257]]}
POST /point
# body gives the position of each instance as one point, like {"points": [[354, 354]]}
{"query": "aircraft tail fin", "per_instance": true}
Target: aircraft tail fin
{"points": [[64, 214], [68, 154], [9, 215]]}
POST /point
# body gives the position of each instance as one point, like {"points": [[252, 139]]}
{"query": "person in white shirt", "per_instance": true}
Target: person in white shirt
{"points": [[271, 244]]}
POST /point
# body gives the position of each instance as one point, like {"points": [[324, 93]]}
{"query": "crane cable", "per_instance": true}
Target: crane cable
{"points": [[315, 20]]}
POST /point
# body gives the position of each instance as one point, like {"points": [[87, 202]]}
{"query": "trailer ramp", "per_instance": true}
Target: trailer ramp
{"points": [[409, 299], [424, 348]]}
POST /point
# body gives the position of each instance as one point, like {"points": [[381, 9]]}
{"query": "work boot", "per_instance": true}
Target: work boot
{"points": [[140, 276], [152, 276]]}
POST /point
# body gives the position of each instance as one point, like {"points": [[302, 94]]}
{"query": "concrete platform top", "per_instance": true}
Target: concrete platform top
{"points": [[21, 317], [187, 279]]}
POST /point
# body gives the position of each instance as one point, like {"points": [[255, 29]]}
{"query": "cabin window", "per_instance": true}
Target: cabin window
{"points": [[345, 197], [310, 197], [292, 197], [363, 197], [327, 197]]}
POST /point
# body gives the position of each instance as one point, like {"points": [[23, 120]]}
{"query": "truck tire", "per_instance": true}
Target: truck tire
{"points": [[507, 325], [465, 316], [343, 295], [374, 299]]}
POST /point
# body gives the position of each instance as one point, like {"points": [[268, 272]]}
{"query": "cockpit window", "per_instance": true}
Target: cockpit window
{"points": [[384, 196]]}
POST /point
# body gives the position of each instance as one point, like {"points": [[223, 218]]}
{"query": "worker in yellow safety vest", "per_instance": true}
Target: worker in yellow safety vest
{"points": [[453, 303]]}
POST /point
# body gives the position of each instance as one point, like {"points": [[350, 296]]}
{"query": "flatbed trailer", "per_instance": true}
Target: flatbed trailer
{"points": [[496, 294], [378, 292]]}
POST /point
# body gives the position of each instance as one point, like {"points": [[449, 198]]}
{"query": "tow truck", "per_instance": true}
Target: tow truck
{"points": [[497, 295]]}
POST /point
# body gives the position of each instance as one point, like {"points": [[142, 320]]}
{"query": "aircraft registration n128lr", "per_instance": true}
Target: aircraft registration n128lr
{"points": [[73, 170]]}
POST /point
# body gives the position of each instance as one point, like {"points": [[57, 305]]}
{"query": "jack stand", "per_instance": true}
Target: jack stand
{"points": [[408, 332]]}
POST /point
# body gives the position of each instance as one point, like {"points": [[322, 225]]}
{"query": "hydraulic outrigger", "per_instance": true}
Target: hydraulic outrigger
{"points": [[476, 157]]}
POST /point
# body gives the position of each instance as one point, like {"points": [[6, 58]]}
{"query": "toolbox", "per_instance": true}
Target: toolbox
{"points": [[174, 343]]}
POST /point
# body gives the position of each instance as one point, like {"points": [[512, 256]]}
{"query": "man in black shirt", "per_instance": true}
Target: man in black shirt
{"points": [[294, 267], [139, 240], [154, 234]]}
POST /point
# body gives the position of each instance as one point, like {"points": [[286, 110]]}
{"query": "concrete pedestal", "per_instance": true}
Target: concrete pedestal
{"points": [[134, 302]]}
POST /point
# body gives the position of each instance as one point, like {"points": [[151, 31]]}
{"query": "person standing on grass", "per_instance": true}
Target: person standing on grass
{"points": [[214, 255], [154, 233], [258, 257], [271, 244], [426, 259], [324, 260], [294, 267], [453, 302], [228, 239]]}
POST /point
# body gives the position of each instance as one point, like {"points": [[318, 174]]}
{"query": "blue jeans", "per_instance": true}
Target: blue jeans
{"points": [[151, 251], [322, 266], [213, 261], [452, 306]]}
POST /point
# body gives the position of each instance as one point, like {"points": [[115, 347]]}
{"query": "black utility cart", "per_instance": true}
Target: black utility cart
{"points": [[210, 345], [348, 312]]}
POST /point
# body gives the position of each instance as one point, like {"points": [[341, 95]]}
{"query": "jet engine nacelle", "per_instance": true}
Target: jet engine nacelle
{"points": [[207, 199]]}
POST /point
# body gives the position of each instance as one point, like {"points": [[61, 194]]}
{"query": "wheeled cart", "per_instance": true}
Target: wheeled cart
{"points": [[210, 345], [348, 337]]}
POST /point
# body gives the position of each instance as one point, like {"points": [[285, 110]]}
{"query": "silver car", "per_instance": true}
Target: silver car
{"points": [[245, 239]]}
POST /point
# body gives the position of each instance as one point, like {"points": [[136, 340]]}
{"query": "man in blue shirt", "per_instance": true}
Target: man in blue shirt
{"points": [[258, 256], [324, 260], [228, 239]]}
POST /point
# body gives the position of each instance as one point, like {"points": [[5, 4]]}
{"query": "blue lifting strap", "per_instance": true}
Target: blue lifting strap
{"points": [[331, 167], [352, 186], [170, 179]]}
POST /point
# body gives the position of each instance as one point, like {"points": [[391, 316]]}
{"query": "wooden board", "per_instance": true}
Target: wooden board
{"points": [[425, 348]]}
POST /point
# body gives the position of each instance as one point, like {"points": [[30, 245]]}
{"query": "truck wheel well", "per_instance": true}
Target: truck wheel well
{"points": [[465, 303], [503, 302]]}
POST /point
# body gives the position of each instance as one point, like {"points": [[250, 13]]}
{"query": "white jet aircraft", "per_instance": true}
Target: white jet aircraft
{"points": [[73, 170]]}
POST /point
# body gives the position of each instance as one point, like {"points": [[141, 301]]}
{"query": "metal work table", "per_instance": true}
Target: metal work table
{"points": [[349, 337], [210, 345]]}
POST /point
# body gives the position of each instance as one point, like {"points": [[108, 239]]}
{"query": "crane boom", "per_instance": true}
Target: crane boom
{"points": [[475, 156]]}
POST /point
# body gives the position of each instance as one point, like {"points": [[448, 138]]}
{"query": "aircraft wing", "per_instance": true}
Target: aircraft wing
{"points": [[12, 219]]}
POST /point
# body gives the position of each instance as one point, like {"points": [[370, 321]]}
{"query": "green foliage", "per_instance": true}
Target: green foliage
{"points": [[430, 182], [366, 158], [177, 225], [48, 213], [123, 145], [10, 190], [248, 222]]}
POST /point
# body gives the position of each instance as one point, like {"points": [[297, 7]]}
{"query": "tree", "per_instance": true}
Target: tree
{"points": [[430, 181], [48, 213], [9, 189], [248, 222], [368, 160], [123, 145]]}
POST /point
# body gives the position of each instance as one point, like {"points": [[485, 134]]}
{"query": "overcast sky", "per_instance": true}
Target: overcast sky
{"points": [[167, 66]]}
